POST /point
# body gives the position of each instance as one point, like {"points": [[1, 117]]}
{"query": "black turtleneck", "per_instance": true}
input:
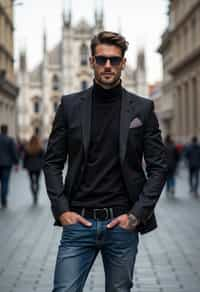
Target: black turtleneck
{"points": [[102, 184]]}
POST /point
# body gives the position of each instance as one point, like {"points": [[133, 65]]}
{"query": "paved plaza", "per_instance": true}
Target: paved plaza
{"points": [[168, 258]]}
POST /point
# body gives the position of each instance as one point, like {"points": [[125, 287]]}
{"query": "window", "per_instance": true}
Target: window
{"points": [[84, 54], [55, 83], [55, 106], [37, 131], [84, 85], [36, 106]]}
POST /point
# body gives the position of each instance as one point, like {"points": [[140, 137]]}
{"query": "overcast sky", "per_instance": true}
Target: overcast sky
{"points": [[142, 22]]}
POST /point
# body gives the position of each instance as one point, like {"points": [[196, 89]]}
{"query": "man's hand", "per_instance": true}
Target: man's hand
{"points": [[72, 218], [125, 221]]}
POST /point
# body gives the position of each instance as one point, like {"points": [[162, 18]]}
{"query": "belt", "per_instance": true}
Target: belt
{"points": [[100, 214]]}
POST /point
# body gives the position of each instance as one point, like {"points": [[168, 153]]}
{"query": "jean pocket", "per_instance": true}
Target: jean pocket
{"points": [[70, 225], [125, 229]]}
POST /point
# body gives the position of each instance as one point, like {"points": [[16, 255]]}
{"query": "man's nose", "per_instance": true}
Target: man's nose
{"points": [[108, 64]]}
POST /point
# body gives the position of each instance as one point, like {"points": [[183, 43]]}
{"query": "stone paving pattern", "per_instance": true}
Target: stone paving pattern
{"points": [[168, 258]]}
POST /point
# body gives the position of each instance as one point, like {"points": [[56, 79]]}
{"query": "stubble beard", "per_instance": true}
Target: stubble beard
{"points": [[108, 82]]}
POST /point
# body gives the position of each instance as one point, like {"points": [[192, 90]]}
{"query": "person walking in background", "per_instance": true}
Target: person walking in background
{"points": [[8, 157], [172, 160], [192, 155], [33, 162], [20, 148], [106, 199]]}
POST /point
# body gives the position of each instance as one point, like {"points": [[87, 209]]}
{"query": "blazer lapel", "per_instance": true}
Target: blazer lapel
{"points": [[86, 108], [126, 115]]}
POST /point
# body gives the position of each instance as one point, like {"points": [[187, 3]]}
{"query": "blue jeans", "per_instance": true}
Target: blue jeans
{"points": [[79, 247], [170, 183], [194, 179]]}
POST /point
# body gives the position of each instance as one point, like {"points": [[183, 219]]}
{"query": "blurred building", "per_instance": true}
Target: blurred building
{"points": [[180, 49], [8, 88], [155, 93], [64, 69]]}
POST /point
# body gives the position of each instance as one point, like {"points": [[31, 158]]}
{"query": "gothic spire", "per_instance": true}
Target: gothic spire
{"points": [[23, 60], [99, 14], [67, 12], [44, 41]]}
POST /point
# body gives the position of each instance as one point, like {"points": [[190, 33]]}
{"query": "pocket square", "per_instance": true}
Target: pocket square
{"points": [[135, 123]]}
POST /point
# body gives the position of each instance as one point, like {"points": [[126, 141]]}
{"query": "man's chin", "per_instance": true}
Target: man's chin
{"points": [[108, 81]]}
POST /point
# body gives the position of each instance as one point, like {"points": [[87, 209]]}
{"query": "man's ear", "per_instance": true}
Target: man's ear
{"points": [[91, 60], [123, 63]]}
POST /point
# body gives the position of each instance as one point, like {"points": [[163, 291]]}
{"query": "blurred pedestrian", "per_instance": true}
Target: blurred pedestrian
{"points": [[192, 155], [8, 157], [33, 162], [180, 156], [172, 160], [180, 150], [106, 199], [20, 148]]}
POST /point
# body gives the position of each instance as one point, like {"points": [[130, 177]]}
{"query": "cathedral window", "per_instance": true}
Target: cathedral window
{"points": [[36, 105], [55, 106], [55, 83], [84, 54], [84, 85], [37, 131]]}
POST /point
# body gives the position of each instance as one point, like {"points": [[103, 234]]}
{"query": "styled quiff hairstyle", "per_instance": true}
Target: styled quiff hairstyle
{"points": [[109, 38]]}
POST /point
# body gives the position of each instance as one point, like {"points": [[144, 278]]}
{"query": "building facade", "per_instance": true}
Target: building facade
{"points": [[180, 50], [8, 88], [63, 70], [155, 94]]}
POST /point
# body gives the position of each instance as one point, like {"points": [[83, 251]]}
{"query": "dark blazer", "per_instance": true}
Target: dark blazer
{"points": [[8, 151], [192, 154], [139, 136]]}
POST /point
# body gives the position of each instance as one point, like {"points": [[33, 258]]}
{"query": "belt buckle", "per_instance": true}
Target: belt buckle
{"points": [[104, 210]]}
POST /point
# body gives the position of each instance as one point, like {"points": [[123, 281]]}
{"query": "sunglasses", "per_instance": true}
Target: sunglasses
{"points": [[114, 60]]}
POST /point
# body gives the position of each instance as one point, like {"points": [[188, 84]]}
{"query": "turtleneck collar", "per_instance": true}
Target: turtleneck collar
{"points": [[103, 95]]}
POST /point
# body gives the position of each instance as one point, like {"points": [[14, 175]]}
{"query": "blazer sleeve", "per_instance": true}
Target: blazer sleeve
{"points": [[54, 161], [156, 168]]}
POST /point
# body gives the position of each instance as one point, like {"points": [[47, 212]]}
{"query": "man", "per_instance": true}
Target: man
{"points": [[172, 161], [8, 157], [106, 199], [192, 154]]}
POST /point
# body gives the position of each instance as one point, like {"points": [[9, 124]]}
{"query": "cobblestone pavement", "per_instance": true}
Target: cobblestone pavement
{"points": [[168, 258]]}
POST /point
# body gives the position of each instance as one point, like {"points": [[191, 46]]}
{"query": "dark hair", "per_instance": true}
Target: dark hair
{"points": [[168, 139], [109, 38], [4, 129], [194, 139], [34, 146]]}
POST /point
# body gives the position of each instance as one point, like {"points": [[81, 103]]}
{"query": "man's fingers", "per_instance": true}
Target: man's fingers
{"points": [[113, 223], [84, 221], [66, 221]]}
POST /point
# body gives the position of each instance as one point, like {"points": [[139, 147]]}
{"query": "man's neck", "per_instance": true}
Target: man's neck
{"points": [[107, 86]]}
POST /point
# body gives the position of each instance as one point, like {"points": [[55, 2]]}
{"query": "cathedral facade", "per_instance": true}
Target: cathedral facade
{"points": [[63, 70]]}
